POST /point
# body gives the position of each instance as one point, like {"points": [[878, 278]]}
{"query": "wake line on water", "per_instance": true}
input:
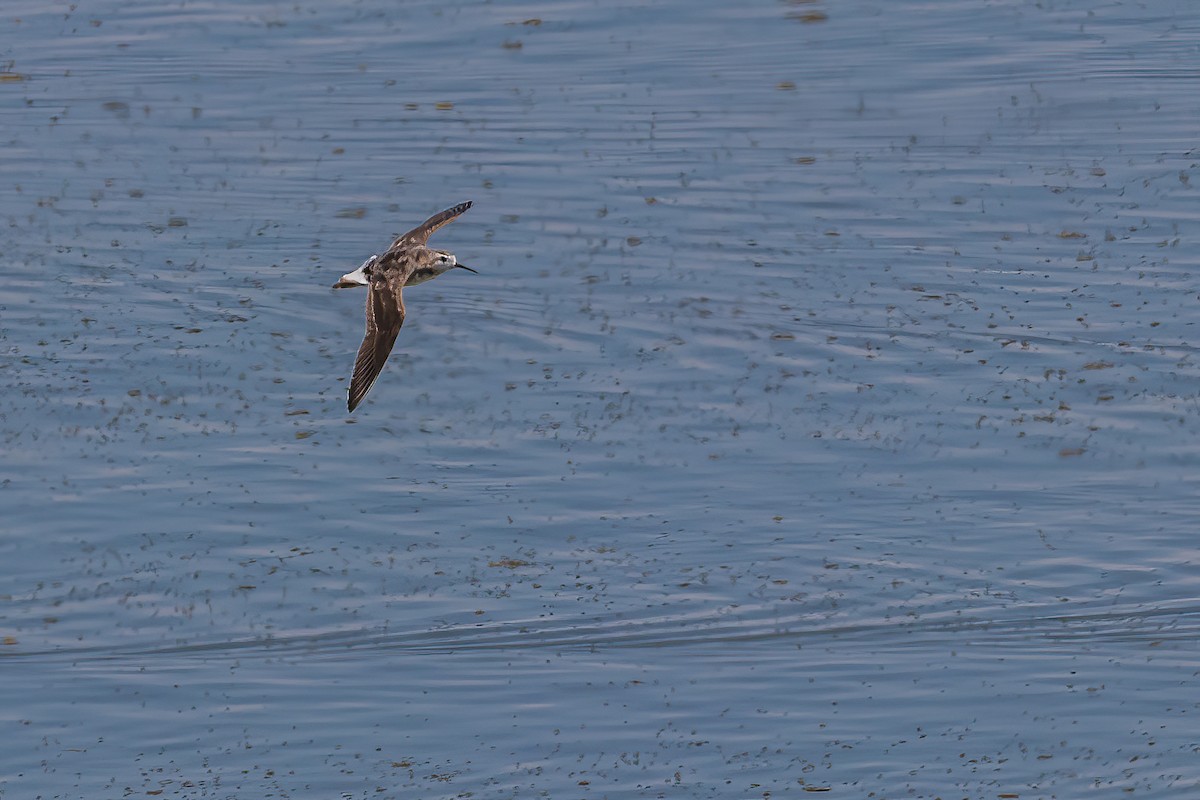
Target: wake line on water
{"points": [[707, 629]]}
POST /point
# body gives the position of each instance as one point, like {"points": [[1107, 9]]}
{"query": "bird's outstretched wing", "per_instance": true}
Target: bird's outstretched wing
{"points": [[420, 234], [385, 315]]}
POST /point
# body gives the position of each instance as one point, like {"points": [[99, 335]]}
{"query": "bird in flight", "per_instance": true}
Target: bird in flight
{"points": [[406, 263]]}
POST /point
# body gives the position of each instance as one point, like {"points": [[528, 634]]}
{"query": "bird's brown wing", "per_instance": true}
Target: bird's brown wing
{"points": [[420, 234], [385, 315]]}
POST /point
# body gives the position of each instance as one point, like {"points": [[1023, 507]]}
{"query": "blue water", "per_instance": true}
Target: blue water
{"points": [[822, 418]]}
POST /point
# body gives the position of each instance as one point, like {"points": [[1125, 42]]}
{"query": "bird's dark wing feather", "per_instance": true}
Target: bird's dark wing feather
{"points": [[420, 234], [385, 315]]}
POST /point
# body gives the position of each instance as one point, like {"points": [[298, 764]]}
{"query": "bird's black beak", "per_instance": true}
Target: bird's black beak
{"points": [[468, 269]]}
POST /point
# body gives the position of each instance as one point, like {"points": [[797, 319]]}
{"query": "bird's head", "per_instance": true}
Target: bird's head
{"points": [[443, 262]]}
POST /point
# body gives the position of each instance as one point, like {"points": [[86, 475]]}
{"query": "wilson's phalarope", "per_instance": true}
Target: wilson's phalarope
{"points": [[406, 263]]}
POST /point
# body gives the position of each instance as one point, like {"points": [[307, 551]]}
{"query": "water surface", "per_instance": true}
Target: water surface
{"points": [[821, 418]]}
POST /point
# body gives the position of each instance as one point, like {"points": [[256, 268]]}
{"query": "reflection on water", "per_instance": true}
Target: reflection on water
{"points": [[820, 417]]}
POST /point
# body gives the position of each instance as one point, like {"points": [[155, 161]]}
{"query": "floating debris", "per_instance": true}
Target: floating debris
{"points": [[508, 563], [808, 17]]}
